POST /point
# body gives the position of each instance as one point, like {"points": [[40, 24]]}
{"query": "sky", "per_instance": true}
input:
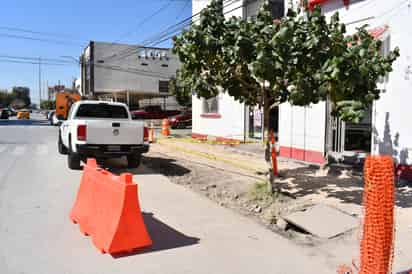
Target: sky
{"points": [[69, 26]]}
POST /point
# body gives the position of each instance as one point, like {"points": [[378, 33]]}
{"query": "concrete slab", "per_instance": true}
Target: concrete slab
{"points": [[323, 221]]}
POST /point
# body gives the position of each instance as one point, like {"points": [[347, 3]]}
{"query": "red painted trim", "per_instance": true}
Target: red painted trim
{"points": [[199, 136], [302, 155], [211, 115]]}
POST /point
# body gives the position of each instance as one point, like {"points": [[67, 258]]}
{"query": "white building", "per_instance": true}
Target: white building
{"points": [[223, 117], [310, 133]]}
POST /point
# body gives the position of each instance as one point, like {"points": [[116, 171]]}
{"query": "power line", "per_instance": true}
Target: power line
{"points": [[174, 30], [183, 22], [60, 42], [42, 33], [3, 60], [35, 58], [145, 20]]}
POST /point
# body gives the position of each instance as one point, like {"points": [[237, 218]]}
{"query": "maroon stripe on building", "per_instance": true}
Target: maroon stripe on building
{"points": [[302, 154]]}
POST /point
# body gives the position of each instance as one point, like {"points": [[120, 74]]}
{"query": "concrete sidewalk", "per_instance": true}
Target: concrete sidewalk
{"points": [[227, 242]]}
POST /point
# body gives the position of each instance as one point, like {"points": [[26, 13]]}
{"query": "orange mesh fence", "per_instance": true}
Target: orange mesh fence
{"points": [[378, 226]]}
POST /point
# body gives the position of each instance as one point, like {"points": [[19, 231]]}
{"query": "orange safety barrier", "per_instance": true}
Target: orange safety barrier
{"points": [[274, 159], [378, 227], [107, 209], [165, 127]]}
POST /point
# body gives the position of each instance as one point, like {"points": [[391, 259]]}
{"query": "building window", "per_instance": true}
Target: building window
{"points": [[385, 49], [210, 108], [210, 105]]}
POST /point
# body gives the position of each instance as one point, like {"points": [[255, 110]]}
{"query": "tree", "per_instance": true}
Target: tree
{"points": [[48, 104], [21, 96], [301, 59], [180, 92]]}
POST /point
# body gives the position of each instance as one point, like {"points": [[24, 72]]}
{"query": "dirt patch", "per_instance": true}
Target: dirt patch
{"points": [[244, 192]]}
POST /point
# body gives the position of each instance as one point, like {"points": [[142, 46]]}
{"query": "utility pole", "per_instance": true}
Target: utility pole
{"points": [[40, 82]]}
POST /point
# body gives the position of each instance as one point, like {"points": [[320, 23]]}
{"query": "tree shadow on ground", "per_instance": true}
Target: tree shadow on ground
{"points": [[163, 237], [304, 181], [150, 165]]}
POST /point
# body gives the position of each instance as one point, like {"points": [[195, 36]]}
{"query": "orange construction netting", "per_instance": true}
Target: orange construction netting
{"points": [[378, 225]]}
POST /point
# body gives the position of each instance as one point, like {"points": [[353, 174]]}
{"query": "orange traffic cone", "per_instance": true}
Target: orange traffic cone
{"points": [[165, 127]]}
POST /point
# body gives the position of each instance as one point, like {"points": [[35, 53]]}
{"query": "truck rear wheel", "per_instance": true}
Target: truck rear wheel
{"points": [[133, 161], [62, 149], [73, 158]]}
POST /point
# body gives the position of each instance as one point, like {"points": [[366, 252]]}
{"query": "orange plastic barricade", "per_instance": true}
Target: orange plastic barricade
{"points": [[107, 209]]}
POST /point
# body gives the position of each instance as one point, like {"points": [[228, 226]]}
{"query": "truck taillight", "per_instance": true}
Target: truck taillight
{"points": [[81, 132], [145, 134]]}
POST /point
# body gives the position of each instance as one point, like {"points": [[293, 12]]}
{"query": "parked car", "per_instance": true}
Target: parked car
{"points": [[182, 120], [102, 130], [4, 114], [11, 111], [153, 112]]}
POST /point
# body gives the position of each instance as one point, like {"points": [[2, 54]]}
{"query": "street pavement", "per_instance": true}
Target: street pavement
{"points": [[191, 234]]}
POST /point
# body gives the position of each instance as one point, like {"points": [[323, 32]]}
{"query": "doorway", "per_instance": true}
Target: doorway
{"points": [[346, 138]]}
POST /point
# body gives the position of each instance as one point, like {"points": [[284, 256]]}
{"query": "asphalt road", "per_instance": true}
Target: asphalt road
{"points": [[191, 234]]}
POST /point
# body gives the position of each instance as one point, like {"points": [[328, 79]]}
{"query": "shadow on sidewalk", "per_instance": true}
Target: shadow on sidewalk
{"points": [[163, 237], [301, 182]]}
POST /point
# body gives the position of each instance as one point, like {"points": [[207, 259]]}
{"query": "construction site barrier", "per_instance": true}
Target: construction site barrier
{"points": [[107, 209], [378, 225]]}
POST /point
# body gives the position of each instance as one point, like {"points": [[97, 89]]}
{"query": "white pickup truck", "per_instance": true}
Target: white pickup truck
{"points": [[101, 130]]}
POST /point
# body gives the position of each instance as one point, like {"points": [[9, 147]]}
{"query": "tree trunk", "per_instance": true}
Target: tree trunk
{"points": [[266, 139]]}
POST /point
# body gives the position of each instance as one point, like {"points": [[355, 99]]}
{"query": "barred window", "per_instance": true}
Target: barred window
{"points": [[210, 105]]}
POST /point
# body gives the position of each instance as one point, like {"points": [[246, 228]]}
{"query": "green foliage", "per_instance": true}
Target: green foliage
{"points": [[302, 59], [19, 97], [182, 93], [48, 104], [259, 193]]}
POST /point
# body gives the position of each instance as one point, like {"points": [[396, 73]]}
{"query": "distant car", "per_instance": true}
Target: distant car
{"points": [[4, 114], [11, 111], [181, 120], [51, 117]]}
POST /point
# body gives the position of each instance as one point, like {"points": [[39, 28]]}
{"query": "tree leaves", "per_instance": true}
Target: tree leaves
{"points": [[301, 58]]}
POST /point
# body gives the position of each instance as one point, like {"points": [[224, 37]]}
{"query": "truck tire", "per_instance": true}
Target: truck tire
{"points": [[73, 159], [62, 149], [133, 161]]}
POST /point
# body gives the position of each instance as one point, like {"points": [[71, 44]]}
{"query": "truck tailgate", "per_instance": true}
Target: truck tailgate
{"points": [[114, 132]]}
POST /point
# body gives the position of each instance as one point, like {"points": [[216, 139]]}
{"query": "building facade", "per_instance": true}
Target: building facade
{"points": [[310, 133], [126, 73], [223, 117]]}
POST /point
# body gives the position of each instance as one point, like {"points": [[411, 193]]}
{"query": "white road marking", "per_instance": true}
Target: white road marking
{"points": [[42, 149], [19, 150], [3, 148]]}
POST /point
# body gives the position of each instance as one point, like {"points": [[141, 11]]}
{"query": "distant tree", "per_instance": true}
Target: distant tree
{"points": [[48, 104], [21, 96]]}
